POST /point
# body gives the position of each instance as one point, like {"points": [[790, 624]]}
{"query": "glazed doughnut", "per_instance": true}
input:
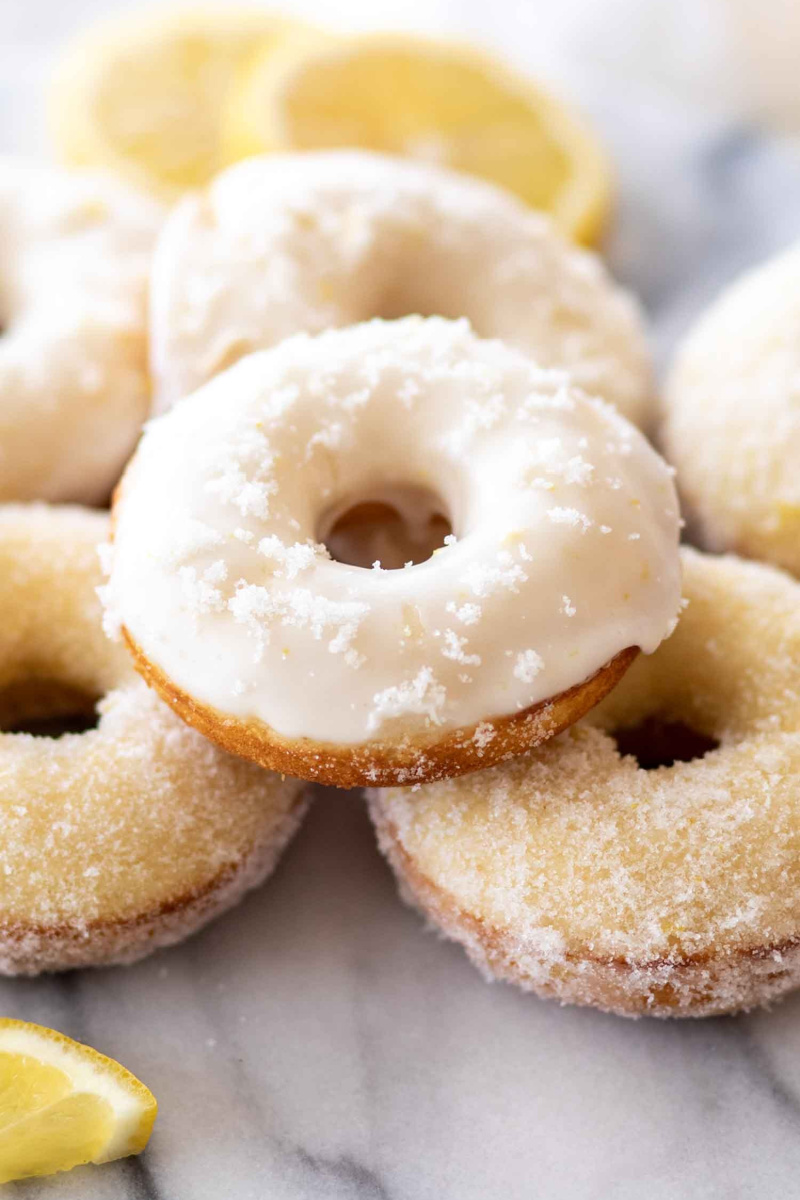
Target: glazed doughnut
{"points": [[289, 243], [563, 559], [75, 250], [732, 417], [673, 891], [128, 836]]}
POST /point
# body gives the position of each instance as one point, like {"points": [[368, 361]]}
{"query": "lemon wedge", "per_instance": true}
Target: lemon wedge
{"points": [[449, 104], [63, 1104], [143, 96]]}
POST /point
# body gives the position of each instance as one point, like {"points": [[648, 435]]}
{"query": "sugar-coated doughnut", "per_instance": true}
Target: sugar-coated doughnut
{"points": [[289, 243], [75, 252], [563, 559], [672, 891], [732, 417], [128, 836]]}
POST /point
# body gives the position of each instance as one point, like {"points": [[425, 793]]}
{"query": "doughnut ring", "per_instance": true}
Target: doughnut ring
{"points": [[284, 244], [675, 891], [75, 249], [563, 560], [732, 417], [128, 836]]}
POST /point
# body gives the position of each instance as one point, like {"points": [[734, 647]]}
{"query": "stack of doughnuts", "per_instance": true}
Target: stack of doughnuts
{"points": [[390, 519]]}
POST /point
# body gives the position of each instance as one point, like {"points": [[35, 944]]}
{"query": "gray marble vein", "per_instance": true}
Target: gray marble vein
{"points": [[317, 1043]]}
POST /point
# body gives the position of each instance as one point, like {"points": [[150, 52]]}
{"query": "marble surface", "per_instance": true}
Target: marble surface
{"points": [[317, 1042]]}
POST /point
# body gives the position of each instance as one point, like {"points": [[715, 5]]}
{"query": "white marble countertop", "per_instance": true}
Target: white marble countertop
{"points": [[316, 1043]]}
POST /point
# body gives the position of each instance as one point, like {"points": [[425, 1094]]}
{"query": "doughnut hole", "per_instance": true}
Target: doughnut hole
{"points": [[405, 301], [56, 663], [47, 708], [396, 525], [655, 742], [434, 281]]}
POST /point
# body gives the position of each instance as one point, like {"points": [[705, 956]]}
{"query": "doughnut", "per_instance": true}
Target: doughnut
{"points": [[670, 890], [563, 558], [731, 423], [294, 243], [75, 251], [125, 837]]}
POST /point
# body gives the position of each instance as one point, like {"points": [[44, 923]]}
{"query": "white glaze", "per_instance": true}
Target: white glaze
{"points": [[566, 525], [292, 243], [74, 258]]}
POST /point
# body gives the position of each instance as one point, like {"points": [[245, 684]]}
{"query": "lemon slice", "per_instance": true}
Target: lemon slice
{"points": [[63, 1104], [446, 103], [143, 96]]}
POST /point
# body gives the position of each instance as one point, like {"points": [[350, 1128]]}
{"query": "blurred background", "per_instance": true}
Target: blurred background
{"points": [[698, 102], [735, 58]]}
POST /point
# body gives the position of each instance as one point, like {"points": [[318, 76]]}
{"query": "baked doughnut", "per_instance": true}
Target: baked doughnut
{"points": [[122, 838], [289, 243], [732, 417], [563, 559], [75, 253], [675, 891]]}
